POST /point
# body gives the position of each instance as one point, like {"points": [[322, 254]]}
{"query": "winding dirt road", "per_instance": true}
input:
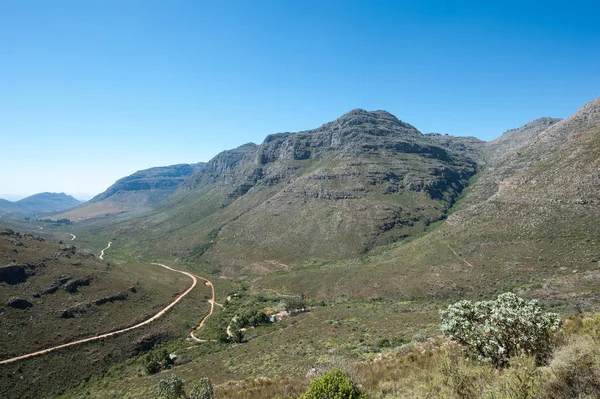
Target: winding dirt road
{"points": [[124, 330], [102, 252], [212, 308], [73, 236]]}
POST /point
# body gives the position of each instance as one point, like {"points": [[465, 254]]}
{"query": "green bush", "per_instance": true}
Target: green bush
{"points": [[497, 330], [419, 337], [156, 360], [171, 387], [202, 390], [333, 385]]}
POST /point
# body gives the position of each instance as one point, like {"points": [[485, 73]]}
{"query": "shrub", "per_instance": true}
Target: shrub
{"points": [[294, 305], [574, 371], [333, 385], [156, 360], [202, 390], [237, 335], [419, 337], [171, 387], [497, 330]]}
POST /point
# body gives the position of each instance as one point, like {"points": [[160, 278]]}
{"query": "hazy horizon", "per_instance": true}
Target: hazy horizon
{"points": [[95, 91]]}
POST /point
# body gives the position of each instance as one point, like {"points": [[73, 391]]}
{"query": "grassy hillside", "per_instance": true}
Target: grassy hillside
{"points": [[52, 293], [538, 233]]}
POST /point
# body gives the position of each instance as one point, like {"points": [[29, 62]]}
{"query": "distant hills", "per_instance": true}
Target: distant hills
{"points": [[36, 204], [135, 192]]}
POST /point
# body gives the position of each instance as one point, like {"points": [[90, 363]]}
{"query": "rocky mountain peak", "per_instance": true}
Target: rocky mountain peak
{"points": [[377, 123]]}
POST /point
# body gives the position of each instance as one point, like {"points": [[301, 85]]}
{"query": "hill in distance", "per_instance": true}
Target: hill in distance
{"points": [[135, 192], [36, 204], [528, 222]]}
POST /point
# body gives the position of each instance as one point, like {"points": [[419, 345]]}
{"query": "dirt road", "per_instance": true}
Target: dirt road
{"points": [[102, 252], [212, 308], [124, 330]]}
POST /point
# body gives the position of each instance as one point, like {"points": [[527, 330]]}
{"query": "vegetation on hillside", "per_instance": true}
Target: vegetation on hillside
{"points": [[370, 237]]}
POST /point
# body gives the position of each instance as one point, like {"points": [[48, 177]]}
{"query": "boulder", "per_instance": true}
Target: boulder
{"points": [[72, 285], [19, 303], [14, 274]]}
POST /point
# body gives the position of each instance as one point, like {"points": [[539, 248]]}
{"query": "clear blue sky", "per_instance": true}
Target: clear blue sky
{"points": [[91, 91]]}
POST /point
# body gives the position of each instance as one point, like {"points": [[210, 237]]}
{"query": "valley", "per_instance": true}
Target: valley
{"points": [[357, 233]]}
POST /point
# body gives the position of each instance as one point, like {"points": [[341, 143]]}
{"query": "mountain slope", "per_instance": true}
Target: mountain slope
{"points": [[513, 139], [39, 204], [537, 233], [135, 192], [363, 180], [52, 293]]}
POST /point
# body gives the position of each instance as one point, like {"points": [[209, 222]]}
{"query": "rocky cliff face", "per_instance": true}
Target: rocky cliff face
{"points": [[515, 138], [358, 135]]}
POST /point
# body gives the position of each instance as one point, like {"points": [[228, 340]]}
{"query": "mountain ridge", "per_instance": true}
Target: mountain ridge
{"points": [[372, 177], [41, 203], [136, 192]]}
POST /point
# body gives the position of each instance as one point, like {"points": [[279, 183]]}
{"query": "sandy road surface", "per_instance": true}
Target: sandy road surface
{"points": [[73, 236], [102, 252], [212, 308], [110, 334]]}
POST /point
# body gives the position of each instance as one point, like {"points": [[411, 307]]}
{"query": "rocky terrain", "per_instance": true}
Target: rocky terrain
{"points": [[529, 222]]}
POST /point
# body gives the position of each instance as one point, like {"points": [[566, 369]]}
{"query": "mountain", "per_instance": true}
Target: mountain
{"points": [[38, 204], [375, 225], [135, 192], [363, 180], [529, 222]]}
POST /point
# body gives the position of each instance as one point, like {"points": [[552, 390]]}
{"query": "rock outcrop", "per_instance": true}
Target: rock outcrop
{"points": [[19, 303], [13, 274]]}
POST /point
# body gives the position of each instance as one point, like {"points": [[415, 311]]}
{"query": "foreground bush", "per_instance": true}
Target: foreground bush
{"points": [[333, 385], [171, 387], [574, 371], [202, 390], [497, 330]]}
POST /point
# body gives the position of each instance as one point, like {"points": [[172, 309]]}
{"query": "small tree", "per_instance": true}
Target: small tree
{"points": [[171, 387], [333, 385], [294, 305], [237, 335], [202, 390], [497, 330]]}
